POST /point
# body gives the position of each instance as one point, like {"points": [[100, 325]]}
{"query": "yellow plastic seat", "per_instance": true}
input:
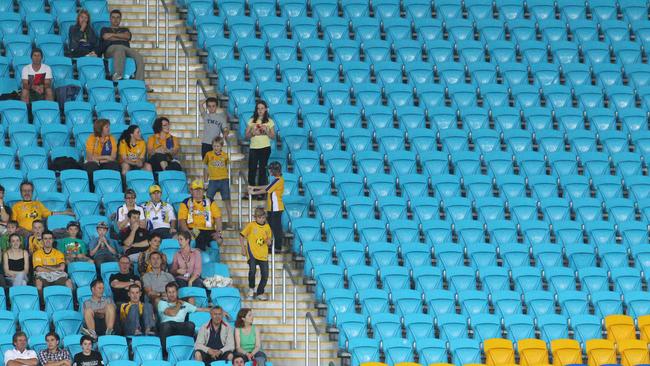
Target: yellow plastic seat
{"points": [[498, 351], [566, 352], [373, 364], [407, 364], [633, 352], [600, 351], [532, 352], [644, 327], [442, 364], [620, 327]]}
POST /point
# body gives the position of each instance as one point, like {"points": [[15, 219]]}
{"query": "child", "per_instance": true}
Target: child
{"points": [[35, 239], [274, 204], [73, 248], [216, 162], [12, 228], [216, 124], [255, 241]]}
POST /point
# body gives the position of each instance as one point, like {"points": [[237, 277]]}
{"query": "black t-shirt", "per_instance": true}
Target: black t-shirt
{"points": [[106, 44], [140, 235], [121, 295], [93, 359]]}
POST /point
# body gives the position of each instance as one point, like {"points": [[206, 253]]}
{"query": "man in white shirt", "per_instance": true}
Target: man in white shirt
{"points": [[37, 79], [20, 355], [160, 215], [123, 211]]}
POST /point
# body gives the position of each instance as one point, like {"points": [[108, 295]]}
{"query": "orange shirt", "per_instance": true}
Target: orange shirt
{"points": [[98, 146]]}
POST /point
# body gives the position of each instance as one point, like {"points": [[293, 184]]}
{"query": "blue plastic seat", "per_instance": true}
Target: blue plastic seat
{"points": [[637, 303], [452, 326], [540, 303], [350, 325], [146, 349], [507, 303], [552, 326], [32, 158], [381, 254], [465, 351], [485, 326], [57, 298], [179, 348], [461, 278], [363, 350], [586, 327], [494, 279], [415, 255], [473, 302], [226, 297], [38, 22], [407, 301], [527, 279], [313, 50], [33, 322], [74, 181], [573, 303], [140, 181], [519, 327], [373, 301]]}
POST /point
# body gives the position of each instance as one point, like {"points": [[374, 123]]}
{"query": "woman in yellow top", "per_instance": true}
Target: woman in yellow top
{"points": [[162, 147], [101, 150], [132, 150], [261, 130]]}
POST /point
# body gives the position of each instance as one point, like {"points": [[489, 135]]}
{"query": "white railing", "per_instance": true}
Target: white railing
{"points": [[241, 179], [309, 319], [166, 9], [294, 317], [180, 44]]}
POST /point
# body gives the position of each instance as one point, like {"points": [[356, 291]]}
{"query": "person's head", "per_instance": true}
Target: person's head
{"points": [[134, 217], [73, 228], [48, 239], [212, 104], [216, 315], [184, 239], [26, 190], [130, 197], [131, 135], [97, 288], [161, 124], [238, 360], [83, 17], [102, 229], [244, 317], [154, 241], [134, 293], [155, 193], [116, 17], [86, 343], [20, 341], [12, 226], [101, 127], [155, 259], [38, 228], [260, 215], [125, 264], [197, 189], [37, 56], [15, 241], [261, 111], [52, 339], [171, 290], [2, 191], [275, 168], [217, 144]]}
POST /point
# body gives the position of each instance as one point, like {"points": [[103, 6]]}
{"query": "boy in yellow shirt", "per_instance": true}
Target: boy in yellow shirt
{"points": [[216, 173], [255, 241], [274, 204]]}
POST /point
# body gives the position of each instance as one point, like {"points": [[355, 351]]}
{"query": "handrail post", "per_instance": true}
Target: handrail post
{"points": [[273, 270], [176, 68], [157, 24], [166, 39], [250, 208], [146, 12], [239, 203], [187, 83], [309, 319], [295, 316], [306, 342], [284, 296], [196, 100]]}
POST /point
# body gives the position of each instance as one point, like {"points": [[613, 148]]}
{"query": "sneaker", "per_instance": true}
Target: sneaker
{"points": [[109, 331], [138, 332], [262, 297], [117, 77], [89, 332], [251, 294]]}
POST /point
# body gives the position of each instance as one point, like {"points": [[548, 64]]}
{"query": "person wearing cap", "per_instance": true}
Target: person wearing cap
{"points": [[102, 248], [123, 211], [72, 247], [200, 216], [160, 215]]}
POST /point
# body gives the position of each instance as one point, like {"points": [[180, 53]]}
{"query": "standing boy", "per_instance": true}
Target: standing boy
{"points": [[216, 172], [255, 241], [215, 122]]}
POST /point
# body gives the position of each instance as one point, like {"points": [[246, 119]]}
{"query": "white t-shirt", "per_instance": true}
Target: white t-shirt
{"points": [[14, 354], [36, 77], [159, 215], [123, 213]]}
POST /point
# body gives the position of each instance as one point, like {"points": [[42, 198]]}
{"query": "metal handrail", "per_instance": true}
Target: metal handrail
{"points": [[241, 178], [309, 317], [181, 44], [286, 269], [158, 28]]}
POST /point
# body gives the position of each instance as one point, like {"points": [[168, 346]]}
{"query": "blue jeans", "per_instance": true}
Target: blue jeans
{"points": [[134, 321], [222, 186]]}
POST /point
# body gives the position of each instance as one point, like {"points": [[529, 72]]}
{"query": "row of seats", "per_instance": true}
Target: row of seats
{"points": [[40, 23], [57, 8]]}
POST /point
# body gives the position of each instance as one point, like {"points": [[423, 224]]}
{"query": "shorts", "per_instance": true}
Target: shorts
{"points": [[222, 186], [35, 96], [59, 282]]}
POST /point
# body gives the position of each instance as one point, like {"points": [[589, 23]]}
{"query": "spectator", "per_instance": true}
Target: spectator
{"points": [[160, 215], [137, 317], [36, 79], [5, 210], [101, 150], [132, 150], [12, 228], [26, 210], [172, 313], [255, 241], [248, 337], [73, 248], [53, 355], [187, 263], [102, 248], [260, 130], [20, 355], [215, 120], [83, 40], [123, 211], [156, 280], [87, 356], [204, 222], [49, 265], [162, 147], [216, 173], [98, 312], [115, 41], [274, 205], [15, 261], [133, 237], [238, 360], [215, 339], [121, 281], [35, 239], [144, 260]]}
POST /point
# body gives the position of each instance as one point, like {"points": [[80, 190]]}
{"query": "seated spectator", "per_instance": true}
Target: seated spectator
{"points": [[238, 360], [25, 212], [15, 262], [36, 79], [123, 211], [172, 313], [12, 228], [159, 215], [187, 264], [83, 40], [101, 150], [98, 312], [115, 41], [121, 281], [35, 238], [215, 339], [248, 337], [162, 147], [102, 248], [132, 150], [53, 355], [134, 238], [5, 210], [144, 260], [137, 318], [49, 265], [200, 216], [87, 356], [156, 280], [20, 355], [73, 248]]}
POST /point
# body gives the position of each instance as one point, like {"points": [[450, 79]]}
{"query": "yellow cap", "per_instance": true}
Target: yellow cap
{"points": [[197, 184], [155, 188]]}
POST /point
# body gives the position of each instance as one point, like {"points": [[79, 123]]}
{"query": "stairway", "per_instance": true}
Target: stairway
{"points": [[276, 337]]}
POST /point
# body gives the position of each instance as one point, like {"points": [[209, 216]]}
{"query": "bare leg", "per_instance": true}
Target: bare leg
{"points": [[89, 318], [110, 317]]}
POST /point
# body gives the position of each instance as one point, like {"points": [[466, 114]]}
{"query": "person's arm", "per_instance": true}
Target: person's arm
{"points": [[173, 310], [183, 225], [113, 150], [270, 132], [258, 340], [242, 243], [120, 284], [74, 39], [26, 260], [202, 340], [123, 36], [230, 342], [93, 246], [128, 241], [47, 84], [238, 342], [23, 362], [4, 215], [5, 265]]}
